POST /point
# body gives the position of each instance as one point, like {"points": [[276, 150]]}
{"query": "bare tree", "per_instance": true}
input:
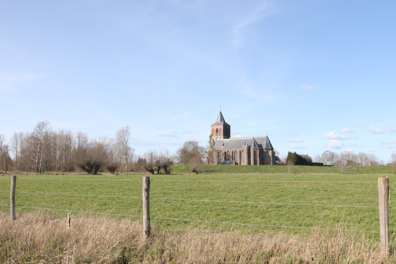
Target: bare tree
{"points": [[195, 164], [39, 140], [150, 159], [2, 144], [90, 156], [189, 150], [5, 159], [125, 152], [393, 158]]}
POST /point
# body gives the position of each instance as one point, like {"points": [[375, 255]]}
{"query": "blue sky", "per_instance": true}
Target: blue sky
{"points": [[312, 75]]}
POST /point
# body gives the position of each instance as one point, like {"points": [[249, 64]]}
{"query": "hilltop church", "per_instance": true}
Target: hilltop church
{"points": [[241, 150]]}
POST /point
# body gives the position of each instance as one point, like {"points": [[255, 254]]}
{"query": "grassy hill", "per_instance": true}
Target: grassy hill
{"points": [[283, 169]]}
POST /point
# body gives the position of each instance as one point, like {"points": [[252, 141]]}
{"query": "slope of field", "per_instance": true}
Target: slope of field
{"points": [[284, 169], [261, 202]]}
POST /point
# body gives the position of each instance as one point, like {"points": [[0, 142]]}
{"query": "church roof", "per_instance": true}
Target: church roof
{"points": [[239, 142], [220, 120]]}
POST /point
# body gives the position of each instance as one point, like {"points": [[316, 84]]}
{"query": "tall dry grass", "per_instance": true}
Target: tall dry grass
{"points": [[40, 238]]}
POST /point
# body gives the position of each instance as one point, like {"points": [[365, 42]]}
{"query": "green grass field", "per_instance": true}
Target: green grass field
{"points": [[284, 170], [253, 199]]}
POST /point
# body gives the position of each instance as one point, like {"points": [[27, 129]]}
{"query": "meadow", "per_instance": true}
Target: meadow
{"points": [[291, 203], [204, 218]]}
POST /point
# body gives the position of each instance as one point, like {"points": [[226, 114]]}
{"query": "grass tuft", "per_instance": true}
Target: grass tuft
{"points": [[39, 237]]}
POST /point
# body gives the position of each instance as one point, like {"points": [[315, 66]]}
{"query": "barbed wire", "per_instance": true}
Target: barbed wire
{"points": [[66, 210], [276, 226], [168, 180], [195, 220], [84, 195], [209, 201]]}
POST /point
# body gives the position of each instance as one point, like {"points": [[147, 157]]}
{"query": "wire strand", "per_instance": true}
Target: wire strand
{"points": [[209, 201], [277, 226], [168, 180], [66, 210]]}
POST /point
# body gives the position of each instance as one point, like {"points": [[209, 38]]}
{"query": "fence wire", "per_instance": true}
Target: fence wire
{"points": [[276, 226], [195, 220], [199, 181], [66, 210], [208, 201]]}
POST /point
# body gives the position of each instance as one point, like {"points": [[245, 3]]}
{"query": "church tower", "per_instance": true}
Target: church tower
{"points": [[220, 129]]}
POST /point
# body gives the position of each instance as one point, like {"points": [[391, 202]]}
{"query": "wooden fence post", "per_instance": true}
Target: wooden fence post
{"points": [[146, 207], [383, 194], [12, 198]]}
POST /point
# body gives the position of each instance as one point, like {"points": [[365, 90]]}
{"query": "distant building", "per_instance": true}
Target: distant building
{"points": [[242, 150]]}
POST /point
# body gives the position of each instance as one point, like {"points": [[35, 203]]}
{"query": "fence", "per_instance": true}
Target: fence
{"points": [[383, 194]]}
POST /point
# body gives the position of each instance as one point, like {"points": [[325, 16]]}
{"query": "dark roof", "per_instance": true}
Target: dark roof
{"points": [[238, 143], [220, 120]]}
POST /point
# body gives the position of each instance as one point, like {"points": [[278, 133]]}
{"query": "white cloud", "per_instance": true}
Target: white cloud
{"points": [[372, 150], [292, 140], [334, 144], [306, 87], [171, 134], [347, 130], [170, 142], [298, 147], [386, 146], [332, 135], [376, 130], [391, 142]]}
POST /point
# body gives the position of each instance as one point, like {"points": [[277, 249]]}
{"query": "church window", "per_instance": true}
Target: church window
{"points": [[243, 156], [217, 131], [255, 157], [228, 155], [214, 157], [236, 156], [221, 156]]}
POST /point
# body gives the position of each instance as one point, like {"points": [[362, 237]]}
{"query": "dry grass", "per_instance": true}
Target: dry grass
{"points": [[40, 238]]}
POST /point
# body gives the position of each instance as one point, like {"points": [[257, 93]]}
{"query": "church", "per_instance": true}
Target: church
{"points": [[241, 150]]}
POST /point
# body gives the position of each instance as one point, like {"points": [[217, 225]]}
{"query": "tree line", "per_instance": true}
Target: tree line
{"points": [[44, 150], [349, 158]]}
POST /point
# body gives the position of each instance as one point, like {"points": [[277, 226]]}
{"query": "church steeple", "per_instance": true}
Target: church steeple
{"points": [[220, 129]]}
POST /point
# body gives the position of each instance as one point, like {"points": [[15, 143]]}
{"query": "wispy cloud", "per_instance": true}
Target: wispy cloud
{"points": [[346, 130], [306, 87], [332, 135], [257, 14], [292, 140], [172, 143], [334, 144], [170, 134], [376, 130]]}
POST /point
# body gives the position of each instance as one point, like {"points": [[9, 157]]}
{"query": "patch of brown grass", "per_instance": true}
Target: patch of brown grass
{"points": [[40, 238]]}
